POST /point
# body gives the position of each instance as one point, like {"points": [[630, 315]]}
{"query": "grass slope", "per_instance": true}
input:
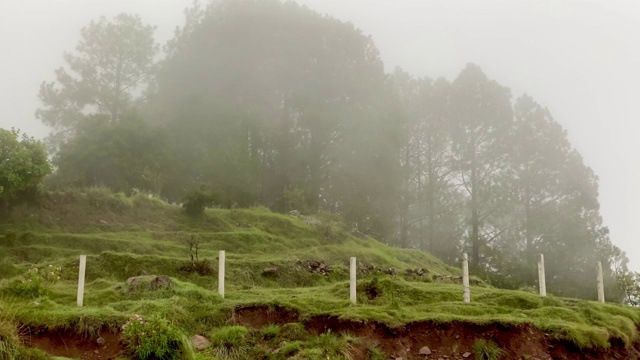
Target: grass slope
{"points": [[128, 236]]}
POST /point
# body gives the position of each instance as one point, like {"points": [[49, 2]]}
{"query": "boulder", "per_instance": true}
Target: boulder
{"points": [[161, 281], [200, 342], [424, 351]]}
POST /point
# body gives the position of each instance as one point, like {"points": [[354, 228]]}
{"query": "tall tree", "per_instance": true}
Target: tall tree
{"points": [[482, 115], [106, 74], [274, 99], [429, 211]]}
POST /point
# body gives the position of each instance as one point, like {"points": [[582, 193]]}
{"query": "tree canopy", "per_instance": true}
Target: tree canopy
{"points": [[263, 102], [23, 164]]}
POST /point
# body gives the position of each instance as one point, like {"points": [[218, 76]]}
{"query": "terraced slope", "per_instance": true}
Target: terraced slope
{"points": [[286, 290]]}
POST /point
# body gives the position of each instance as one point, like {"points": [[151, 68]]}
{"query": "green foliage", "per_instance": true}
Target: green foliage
{"points": [[229, 343], [124, 156], [271, 332], [35, 282], [24, 164], [486, 350], [10, 345], [155, 338], [197, 201], [374, 353], [112, 62]]}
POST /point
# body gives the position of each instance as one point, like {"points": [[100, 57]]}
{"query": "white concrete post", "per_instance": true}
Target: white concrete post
{"points": [[83, 267], [542, 284], [221, 260], [466, 291], [600, 282], [352, 280]]}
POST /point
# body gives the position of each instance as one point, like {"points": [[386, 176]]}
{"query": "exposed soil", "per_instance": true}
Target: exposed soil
{"points": [[448, 341], [445, 341], [69, 344]]}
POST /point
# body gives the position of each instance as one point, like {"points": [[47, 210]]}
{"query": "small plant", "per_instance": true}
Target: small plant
{"points": [[374, 353], [336, 347], [9, 341], [35, 282], [271, 332], [486, 350], [230, 343], [155, 339]]}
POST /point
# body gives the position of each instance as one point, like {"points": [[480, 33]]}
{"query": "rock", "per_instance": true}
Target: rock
{"points": [[101, 341], [200, 342], [312, 221], [134, 282], [295, 213], [425, 351], [270, 270], [161, 281], [466, 355]]}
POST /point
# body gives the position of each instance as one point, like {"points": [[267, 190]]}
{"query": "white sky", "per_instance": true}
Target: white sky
{"points": [[579, 58]]}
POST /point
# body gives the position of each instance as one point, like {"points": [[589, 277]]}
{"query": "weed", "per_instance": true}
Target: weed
{"points": [[35, 282], [270, 332], [486, 350], [374, 353], [230, 343], [155, 339], [334, 346], [9, 341]]}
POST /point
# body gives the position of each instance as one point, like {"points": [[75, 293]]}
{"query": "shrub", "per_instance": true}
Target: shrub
{"points": [[196, 201], [155, 339], [36, 281]]}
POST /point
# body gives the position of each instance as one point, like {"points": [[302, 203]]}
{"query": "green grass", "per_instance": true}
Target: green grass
{"points": [[486, 350], [124, 237]]}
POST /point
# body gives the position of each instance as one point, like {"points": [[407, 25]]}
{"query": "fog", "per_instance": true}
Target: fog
{"points": [[578, 58]]}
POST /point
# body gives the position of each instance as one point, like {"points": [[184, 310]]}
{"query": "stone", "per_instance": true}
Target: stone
{"points": [[466, 355], [134, 282], [200, 342], [161, 281], [295, 213], [425, 351], [270, 270], [101, 341]]}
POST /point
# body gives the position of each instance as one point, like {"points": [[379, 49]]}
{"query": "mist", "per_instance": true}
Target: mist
{"points": [[336, 115]]}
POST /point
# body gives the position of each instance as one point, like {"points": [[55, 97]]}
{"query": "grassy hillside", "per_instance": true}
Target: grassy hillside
{"points": [[287, 287]]}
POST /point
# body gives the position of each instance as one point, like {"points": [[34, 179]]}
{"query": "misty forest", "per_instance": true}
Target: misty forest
{"points": [[264, 103], [270, 104]]}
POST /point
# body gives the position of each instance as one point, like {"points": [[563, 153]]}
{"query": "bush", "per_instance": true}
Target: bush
{"points": [[155, 339], [198, 200], [36, 281]]}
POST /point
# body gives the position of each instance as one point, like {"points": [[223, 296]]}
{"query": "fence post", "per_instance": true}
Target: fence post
{"points": [[221, 260], [600, 282], [81, 272], [352, 280], [542, 285], [466, 291]]}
